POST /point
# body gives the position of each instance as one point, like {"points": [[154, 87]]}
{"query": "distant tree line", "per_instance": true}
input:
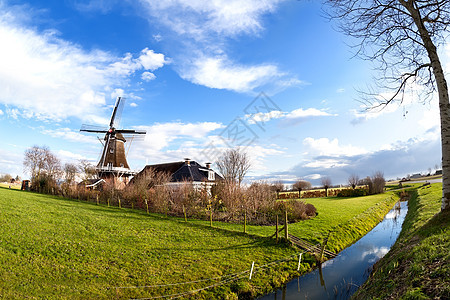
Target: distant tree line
{"points": [[7, 178]]}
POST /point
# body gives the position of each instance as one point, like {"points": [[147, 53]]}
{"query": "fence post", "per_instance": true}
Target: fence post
{"points": [[325, 241], [146, 204], [97, 199], [184, 213], [120, 206], [245, 221], [251, 271], [299, 261], [277, 229], [286, 225], [210, 217]]}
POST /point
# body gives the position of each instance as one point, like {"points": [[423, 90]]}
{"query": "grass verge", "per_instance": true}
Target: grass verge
{"points": [[60, 249], [418, 265]]}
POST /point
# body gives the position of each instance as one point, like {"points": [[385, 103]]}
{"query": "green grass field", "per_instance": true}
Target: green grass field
{"points": [[348, 219], [54, 248], [418, 265]]}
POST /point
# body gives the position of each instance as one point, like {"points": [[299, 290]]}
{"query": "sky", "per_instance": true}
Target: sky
{"points": [[272, 77]]}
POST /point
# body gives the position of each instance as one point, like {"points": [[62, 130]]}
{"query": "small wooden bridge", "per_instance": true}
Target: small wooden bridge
{"points": [[310, 247], [318, 250]]}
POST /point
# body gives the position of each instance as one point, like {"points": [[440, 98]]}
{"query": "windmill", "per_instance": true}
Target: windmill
{"points": [[113, 162]]}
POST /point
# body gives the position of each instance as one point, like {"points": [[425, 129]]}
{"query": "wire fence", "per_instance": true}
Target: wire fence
{"points": [[223, 280]]}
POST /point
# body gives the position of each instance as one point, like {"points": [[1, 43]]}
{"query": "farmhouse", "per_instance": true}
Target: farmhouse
{"points": [[186, 171]]}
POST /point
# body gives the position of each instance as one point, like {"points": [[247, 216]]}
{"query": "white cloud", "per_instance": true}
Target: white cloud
{"points": [[165, 142], [117, 93], [11, 162], [202, 30], [151, 60], [157, 37], [70, 135], [294, 116], [148, 76], [55, 79], [160, 135], [221, 73], [402, 101], [325, 163], [1, 112], [258, 153], [326, 147], [431, 119], [132, 104], [397, 160], [310, 112], [264, 117], [67, 156], [199, 19]]}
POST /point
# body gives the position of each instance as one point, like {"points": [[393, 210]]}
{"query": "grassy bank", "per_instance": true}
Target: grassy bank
{"points": [[56, 248], [348, 219], [418, 265]]}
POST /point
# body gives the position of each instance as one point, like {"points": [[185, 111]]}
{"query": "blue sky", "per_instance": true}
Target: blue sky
{"points": [[194, 72]]}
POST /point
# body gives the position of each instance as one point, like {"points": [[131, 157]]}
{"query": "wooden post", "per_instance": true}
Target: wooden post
{"points": [[277, 229], [146, 204], [210, 216], [286, 225], [97, 199], [120, 206], [325, 241], [184, 213], [245, 221]]}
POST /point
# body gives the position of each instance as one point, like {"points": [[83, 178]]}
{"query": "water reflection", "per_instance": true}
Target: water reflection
{"points": [[340, 277]]}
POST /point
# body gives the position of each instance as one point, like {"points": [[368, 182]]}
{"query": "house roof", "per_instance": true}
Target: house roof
{"points": [[184, 171]]}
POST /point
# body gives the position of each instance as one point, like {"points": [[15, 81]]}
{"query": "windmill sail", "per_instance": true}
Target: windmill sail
{"points": [[113, 158]]}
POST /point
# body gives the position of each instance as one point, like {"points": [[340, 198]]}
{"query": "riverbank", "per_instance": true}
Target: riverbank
{"points": [[52, 247], [418, 265]]}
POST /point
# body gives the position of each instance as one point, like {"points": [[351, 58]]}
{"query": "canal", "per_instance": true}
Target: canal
{"points": [[340, 277]]}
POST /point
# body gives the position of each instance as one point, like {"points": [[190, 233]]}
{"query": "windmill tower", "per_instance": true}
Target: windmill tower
{"points": [[113, 162]]}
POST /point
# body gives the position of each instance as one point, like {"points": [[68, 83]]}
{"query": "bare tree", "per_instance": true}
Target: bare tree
{"points": [[326, 183], [301, 185], [33, 163], [353, 180], [87, 170], [5, 178], [70, 173], [233, 165], [378, 182], [403, 37], [278, 186], [44, 166], [368, 182]]}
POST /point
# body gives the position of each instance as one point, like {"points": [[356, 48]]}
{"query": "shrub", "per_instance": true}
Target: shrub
{"points": [[296, 210], [352, 193]]}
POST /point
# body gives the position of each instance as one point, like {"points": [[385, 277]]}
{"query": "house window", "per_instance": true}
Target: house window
{"points": [[109, 166], [211, 175]]}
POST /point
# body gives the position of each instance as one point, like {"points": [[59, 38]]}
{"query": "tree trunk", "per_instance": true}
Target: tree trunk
{"points": [[444, 105]]}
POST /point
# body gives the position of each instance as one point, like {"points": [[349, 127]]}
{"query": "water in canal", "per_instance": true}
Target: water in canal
{"points": [[340, 277]]}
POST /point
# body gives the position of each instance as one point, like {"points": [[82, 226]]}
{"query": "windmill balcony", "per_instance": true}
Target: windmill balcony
{"points": [[115, 170]]}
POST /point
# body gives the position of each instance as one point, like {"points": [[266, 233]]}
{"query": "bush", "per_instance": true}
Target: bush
{"points": [[352, 193], [296, 210]]}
